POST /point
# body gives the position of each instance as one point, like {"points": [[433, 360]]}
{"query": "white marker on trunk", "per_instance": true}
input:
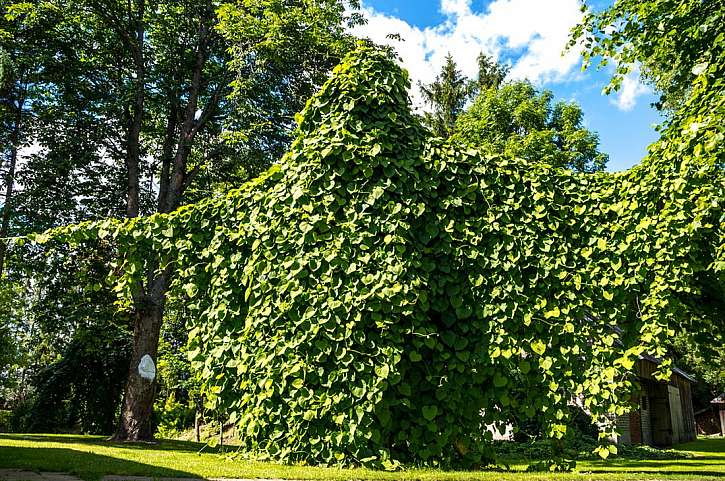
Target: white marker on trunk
{"points": [[146, 368]]}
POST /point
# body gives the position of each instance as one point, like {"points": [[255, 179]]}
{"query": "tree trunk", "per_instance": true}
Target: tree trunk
{"points": [[167, 153], [133, 135], [9, 183], [136, 422], [197, 426]]}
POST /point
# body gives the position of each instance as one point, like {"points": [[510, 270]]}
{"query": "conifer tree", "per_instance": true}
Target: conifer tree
{"points": [[446, 96]]}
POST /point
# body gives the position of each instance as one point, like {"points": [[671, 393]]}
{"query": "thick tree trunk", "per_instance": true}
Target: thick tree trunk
{"points": [[136, 420]]}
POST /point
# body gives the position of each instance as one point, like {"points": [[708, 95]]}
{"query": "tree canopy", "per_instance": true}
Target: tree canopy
{"points": [[674, 42], [446, 96], [380, 295], [509, 117], [517, 120]]}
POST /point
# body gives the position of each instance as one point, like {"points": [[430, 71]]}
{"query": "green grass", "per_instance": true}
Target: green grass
{"points": [[90, 457]]}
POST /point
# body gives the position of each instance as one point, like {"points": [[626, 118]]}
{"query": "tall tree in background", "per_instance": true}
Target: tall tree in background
{"points": [[61, 175], [18, 68], [511, 118], [446, 96], [491, 74], [517, 120], [186, 92]]}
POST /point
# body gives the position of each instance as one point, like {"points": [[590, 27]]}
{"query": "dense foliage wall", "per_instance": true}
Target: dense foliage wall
{"points": [[380, 295]]}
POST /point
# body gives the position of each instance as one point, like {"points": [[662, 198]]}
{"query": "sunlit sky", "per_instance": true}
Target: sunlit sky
{"points": [[530, 36]]}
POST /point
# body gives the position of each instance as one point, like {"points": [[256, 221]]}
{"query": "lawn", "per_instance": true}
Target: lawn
{"points": [[90, 457]]}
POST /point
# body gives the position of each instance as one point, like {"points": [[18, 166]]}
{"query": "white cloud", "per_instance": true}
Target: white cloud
{"points": [[632, 87], [456, 7], [533, 33]]}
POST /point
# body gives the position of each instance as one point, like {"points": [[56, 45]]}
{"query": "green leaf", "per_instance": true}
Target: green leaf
{"points": [[538, 347], [524, 366], [430, 412]]}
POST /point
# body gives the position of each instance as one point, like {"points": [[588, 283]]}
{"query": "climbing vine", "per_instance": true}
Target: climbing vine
{"points": [[380, 296]]}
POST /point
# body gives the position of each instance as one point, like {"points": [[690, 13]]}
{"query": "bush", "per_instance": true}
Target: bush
{"points": [[5, 417], [173, 417]]}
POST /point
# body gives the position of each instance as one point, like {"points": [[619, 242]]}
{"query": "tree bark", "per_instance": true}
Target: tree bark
{"points": [[189, 127], [167, 154], [9, 183], [136, 421]]}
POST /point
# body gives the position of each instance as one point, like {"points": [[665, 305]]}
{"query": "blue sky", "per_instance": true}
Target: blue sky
{"points": [[529, 35]]}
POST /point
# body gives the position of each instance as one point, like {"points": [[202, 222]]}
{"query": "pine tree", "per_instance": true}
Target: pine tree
{"points": [[491, 74], [447, 96]]}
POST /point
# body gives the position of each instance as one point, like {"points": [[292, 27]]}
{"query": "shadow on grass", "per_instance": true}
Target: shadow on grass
{"points": [[87, 466], [663, 472], [159, 445], [55, 438], [660, 464]]}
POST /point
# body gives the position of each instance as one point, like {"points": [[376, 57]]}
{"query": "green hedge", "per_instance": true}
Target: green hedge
{"points": [[381, 295]]}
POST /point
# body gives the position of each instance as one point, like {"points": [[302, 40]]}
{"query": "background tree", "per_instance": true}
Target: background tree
{"points": [[190, 96], [17, 67], [446, 96], [705, 362], [517, 120], [491, 74], [76, 367]]}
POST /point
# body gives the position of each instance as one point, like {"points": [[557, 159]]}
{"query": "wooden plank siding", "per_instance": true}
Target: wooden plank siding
{"points": [[665, 414], [688, 411]]}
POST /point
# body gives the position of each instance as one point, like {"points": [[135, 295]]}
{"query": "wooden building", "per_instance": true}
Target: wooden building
{"points": [[665, 415], [708, 421], [719, 404]]}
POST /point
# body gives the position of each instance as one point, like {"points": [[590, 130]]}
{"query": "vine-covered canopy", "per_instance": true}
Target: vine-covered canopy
{"points": [[381, 295]]}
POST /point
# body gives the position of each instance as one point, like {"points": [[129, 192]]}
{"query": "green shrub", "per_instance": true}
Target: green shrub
{"points": [[173, 417], [5, 416]]}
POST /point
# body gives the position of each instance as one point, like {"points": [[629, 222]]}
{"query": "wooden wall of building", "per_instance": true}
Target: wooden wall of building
{"points": [[666, 415], [689, 428]]}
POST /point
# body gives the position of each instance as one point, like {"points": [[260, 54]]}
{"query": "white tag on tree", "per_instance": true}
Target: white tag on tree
{"points": [[146, 368]]}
